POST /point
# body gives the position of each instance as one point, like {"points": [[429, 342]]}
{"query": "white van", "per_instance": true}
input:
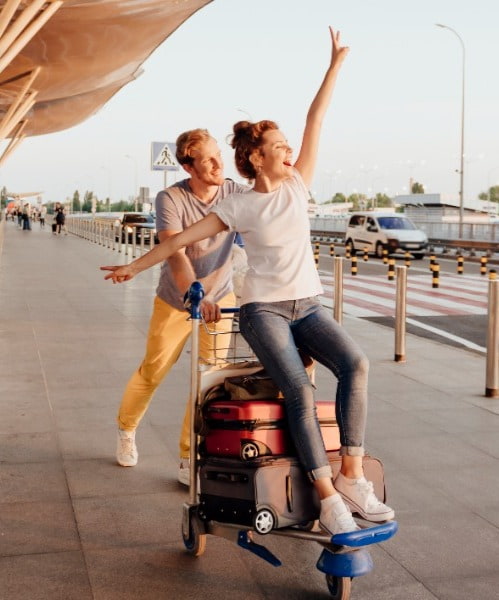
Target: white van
{"points": [[378, 231]]}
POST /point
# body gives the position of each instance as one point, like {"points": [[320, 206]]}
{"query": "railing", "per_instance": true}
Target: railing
{"points": [[106, 233]]}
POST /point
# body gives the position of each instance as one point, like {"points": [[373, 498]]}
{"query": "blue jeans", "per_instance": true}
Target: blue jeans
{"points": [[275, 330]]}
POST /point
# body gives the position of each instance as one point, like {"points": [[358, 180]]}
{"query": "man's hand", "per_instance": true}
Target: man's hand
{"points": [[210, 311], [119, 273]]}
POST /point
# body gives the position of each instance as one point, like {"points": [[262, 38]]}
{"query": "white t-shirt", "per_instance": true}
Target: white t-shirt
{"points": [[276, 231]]}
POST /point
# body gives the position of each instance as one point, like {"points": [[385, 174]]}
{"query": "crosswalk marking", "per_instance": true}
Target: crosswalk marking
{"points": [[371, 296]]}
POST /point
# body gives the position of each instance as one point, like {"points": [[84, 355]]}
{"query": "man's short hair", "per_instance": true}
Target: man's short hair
{"points": [[188, 142]]}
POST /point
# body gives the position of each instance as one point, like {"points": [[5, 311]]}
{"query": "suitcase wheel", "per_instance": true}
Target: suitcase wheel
{"points": [[249, 450], [264, 521]]}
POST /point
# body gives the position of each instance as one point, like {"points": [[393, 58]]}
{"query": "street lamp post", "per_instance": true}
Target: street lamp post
{"points": [[461, 170], [135, 190]]}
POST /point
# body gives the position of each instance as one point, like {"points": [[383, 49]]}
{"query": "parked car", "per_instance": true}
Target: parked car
{"points": [[379, 231], [138, 224]]}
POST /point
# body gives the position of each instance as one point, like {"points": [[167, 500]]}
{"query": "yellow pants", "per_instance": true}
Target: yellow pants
{"points": [[169, 330]]}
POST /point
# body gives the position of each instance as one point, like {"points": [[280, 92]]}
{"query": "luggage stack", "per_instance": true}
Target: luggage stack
{"points": [[249, 473]]}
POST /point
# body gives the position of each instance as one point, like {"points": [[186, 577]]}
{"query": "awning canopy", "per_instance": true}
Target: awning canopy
{"points": [[62, 60]]}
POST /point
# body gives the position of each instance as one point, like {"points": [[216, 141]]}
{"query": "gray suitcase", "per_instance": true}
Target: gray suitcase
{"points": [[264, 493]]}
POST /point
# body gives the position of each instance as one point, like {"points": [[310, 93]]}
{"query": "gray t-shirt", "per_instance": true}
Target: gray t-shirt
{"points": [[176, 209]]}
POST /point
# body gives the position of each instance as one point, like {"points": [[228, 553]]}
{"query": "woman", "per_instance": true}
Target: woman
{"points": [[280, 311]]}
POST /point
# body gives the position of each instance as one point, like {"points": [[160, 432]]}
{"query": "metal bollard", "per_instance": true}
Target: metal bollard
{"points": [[348, 253], [492, 374], [391, 269], [407, 257], [483, 265], [338, 289], [134, 245], [366, 255], [492, 274], [435, 282], [460, 264], [331, 249], [142, 249], [353, 269], [400, 313], [385, 256], [433, 261]]}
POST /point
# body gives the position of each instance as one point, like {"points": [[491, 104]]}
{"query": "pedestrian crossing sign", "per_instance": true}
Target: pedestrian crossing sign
{"points": [[163, 157]]}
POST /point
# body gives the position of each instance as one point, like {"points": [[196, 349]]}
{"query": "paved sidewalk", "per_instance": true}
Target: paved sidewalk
{"points": [[75, 526]]}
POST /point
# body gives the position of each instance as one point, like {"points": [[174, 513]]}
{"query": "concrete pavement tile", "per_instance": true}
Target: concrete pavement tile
{"points": [[474, 487], [129, 520], [220, 574], [462, 420], [406, 493], [416, 398], [445, 545], [104, 477], [28, 447], [27, 414], [32, 482], [483, 587], [58, 576], [84, 418], [486, 441], [100, 397], [37, 528], [90, 379], [398, 423], [419, 453], [490, 404]]}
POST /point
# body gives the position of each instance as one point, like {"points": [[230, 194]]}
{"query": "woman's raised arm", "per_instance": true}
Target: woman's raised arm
{"points": [[305, 163]]}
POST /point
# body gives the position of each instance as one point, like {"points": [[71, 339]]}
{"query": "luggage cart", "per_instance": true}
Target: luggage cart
{"points": [[343, 557]]}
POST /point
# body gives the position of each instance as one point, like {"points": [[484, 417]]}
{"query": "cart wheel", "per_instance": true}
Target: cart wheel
{"points": [[249, 450], [195, 540], [339, 587], [264, 521]]}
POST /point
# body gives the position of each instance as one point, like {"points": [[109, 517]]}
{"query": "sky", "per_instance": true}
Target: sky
{"points": [[395, 114]]}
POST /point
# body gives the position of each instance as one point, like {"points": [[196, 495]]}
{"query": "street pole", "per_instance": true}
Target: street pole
{"points": [[461, 169]]}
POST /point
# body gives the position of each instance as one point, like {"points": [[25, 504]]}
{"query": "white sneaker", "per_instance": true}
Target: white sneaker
{"points": [[184, 471], [335, 516], [360, 497], [126, 452]]}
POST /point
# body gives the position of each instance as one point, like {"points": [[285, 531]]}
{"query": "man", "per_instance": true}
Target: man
{"points": [[177, 207]]}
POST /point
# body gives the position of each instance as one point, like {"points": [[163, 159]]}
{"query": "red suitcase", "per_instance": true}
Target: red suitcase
{"points": [[252, 428]]}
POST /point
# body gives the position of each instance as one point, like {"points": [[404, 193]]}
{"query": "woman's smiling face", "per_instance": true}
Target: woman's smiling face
{"points": [[275, 155]]}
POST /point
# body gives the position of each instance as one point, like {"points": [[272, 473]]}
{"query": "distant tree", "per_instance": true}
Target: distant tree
{"points": [[76, 201], [359, 201], [417, 188], [87, 201], [381, 201], [492, 195], [3, 197], [122, 206], [337, 198]]}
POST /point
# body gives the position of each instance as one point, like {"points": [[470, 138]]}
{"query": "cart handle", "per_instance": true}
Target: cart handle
{"points": [[192, 301]]}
